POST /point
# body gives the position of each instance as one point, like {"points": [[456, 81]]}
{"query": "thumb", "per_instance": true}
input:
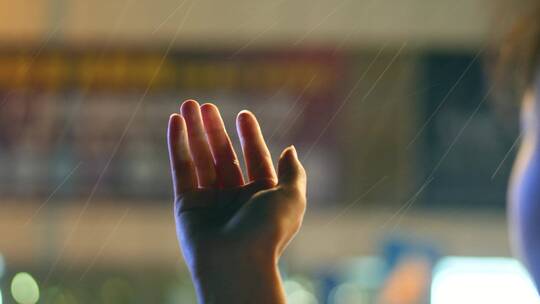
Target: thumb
{"points": [[291, 173]]}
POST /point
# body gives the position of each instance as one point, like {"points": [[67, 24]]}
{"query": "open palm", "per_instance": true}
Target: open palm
{"points": [[218, 214]]}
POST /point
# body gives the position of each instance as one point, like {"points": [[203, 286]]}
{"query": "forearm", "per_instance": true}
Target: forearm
{"points": [[239, 282]]}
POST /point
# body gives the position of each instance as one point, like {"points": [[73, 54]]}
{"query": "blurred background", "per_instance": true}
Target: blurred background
{"points": [[389, 103]]}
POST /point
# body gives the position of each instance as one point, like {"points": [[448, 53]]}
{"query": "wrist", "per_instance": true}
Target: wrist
{"points": [[239, 279], [223, 259]]}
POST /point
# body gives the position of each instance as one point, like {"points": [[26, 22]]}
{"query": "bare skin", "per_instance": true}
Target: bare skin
{"points": [[232, 230]]}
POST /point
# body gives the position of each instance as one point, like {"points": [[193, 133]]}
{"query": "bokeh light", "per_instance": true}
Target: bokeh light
{"points": [[24, 288], [347, 293], [298, 293], [467, 280], [302, 297]]}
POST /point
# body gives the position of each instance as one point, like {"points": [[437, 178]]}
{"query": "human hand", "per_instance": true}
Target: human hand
{"points": [[230, 230]]}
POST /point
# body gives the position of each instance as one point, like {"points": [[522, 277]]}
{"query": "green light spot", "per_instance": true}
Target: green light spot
{"points": [[24, 288]]}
